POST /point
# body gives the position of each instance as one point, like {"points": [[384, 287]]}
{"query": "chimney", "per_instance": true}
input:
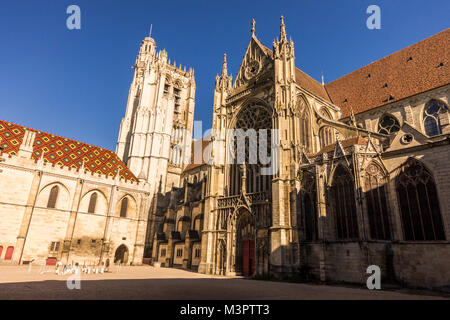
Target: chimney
{"points": [[26, 148]]}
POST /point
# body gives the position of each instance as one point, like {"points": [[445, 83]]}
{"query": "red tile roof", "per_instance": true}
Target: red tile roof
{"points": [[311, 85], [64, 152], [402, 74]]}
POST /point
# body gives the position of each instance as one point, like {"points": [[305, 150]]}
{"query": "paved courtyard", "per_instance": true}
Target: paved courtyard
{"points": [[147, 282]]}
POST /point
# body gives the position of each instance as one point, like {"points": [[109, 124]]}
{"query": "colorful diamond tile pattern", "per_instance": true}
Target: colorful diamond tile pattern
{"points": [[64, 152]]}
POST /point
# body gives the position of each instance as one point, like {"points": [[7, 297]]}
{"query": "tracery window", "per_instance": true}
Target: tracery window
{"points": [[388, 125], [431, 117], [325, 113], [92, 203], [124, 207], [377, 208], [305, 137], [419, 203], [53, 197], [343, 194], [326, 136], [257, 117], [308, 198]]}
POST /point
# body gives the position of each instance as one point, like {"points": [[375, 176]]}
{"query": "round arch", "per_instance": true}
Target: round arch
{"points": [[121, 254]]}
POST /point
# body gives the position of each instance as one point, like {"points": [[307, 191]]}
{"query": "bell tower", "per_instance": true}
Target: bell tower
{"points": [[155, 133]]}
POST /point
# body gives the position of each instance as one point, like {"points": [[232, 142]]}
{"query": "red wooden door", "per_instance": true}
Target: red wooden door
{"points": [[248, 257], [251, 255], [1, 250], [51, 261], [9, 253], [245, 260]]}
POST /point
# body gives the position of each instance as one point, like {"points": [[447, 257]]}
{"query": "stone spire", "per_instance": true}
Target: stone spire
{"points": [[253, 27], [282, 30]]}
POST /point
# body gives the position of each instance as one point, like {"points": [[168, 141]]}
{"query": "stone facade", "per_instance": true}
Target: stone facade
{"points": [[72, 229], [345, 189], [351, 190]]}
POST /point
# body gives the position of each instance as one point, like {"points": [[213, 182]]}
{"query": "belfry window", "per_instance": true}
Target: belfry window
{"points": [[419, 203], [343, 194], [53, 197], [388, 125], [124, 207], [92, 203], [431, 117], [377, 208]]}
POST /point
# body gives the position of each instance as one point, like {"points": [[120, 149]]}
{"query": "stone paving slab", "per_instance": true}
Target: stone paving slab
{"points": [[147, 282]]}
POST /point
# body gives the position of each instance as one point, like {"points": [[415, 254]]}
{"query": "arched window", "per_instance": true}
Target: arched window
{"points": [[309, 206], [343, 194], [256, 117], [388, 125], [305, 129], [325, 113], [198, 224], [431, 120], [53, 197], [376, 203], [180, 225], [124, 207], [326, 136], [92, 202], [419, 204]]}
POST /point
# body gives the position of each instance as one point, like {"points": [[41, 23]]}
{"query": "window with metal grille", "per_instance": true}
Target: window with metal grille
{"points": [[53, 197], [197, 253], [377, 208], [431, 117], [92, 202], [179, 252], [124, 207], [163, 252], [419, 203], [343, 194], [388, 125]]}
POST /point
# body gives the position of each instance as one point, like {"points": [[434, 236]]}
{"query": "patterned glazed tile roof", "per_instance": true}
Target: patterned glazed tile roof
{"points": [[418, 68], [64, 152]]}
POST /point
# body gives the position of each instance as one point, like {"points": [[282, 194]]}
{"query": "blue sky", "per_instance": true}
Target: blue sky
{"points": [[74, 83]]}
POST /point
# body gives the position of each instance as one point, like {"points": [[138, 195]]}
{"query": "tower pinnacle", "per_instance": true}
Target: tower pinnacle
{"points": [[224, 65], [282, 30], [253, 27]]}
